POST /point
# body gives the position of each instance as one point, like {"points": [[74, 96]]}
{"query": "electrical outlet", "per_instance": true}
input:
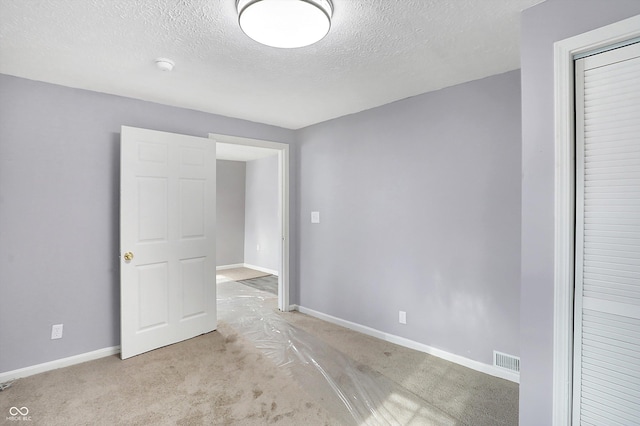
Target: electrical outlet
{"points": [[258, 247], [56, 331], [402, 317]]}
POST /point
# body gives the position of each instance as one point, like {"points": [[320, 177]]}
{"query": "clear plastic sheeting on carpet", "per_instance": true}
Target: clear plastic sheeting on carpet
{"points": [[354, 393]]}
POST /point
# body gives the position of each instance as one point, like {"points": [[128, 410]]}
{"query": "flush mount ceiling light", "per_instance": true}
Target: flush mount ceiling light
{"points": [[285, 23]]}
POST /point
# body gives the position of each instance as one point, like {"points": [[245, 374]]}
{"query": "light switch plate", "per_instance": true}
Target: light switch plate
{"points": [[315, 217]]}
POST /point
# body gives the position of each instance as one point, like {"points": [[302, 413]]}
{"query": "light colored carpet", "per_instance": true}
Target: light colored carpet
{"points": [[464, 395], [223, 378], [471, 397], [351, 391], [238, 274], [216, 378]]}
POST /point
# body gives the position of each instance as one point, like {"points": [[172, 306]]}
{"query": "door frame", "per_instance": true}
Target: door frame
{"points": [[564, 202], [283, 206]]}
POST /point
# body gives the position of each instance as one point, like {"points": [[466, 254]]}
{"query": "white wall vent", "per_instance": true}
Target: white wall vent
{"points": [[510, 362]]}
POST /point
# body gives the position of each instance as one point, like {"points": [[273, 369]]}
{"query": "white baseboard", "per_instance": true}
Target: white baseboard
{"points": [[58, 363], [246, 265], [223, 267], [101, 353], [466, 362], [261, 269]]}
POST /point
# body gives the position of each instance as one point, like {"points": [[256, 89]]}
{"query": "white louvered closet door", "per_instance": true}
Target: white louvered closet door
{"points": [[606, 389]]}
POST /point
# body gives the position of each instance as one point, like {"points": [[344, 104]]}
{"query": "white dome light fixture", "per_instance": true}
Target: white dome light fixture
{"points": [[285, 23]]}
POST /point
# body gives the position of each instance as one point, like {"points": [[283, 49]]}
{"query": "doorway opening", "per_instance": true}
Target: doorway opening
{"points": [[232, 148]]}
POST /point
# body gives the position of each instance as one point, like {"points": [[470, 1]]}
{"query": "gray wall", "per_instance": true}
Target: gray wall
{"points": [[543, 25], [262, 224], [230, 199], [59, 211], [419, 204]]}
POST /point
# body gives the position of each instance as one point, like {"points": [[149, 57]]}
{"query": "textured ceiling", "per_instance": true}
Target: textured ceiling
{"points": [[376, 52]]}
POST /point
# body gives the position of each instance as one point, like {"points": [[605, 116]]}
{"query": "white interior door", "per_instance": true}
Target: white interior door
{"points": [[606, 388], [167, 239]]}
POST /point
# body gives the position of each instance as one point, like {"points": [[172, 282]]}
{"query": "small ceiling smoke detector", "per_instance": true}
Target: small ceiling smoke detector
{"points": [[164, 64]]}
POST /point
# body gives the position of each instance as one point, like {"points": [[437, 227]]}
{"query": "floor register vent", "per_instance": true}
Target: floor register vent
{"points": [[510, 362]]}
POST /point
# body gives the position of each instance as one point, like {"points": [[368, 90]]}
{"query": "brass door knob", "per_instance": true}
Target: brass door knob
{"points": [[128, 256]]}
